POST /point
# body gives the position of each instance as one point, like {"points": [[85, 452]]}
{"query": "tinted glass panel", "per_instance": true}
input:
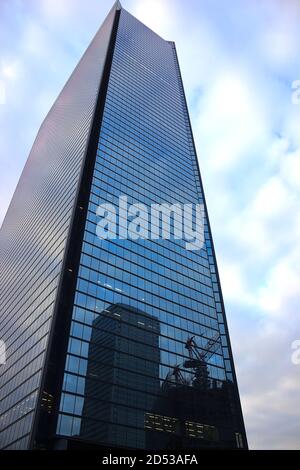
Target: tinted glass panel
{"points": [[148, 363]]}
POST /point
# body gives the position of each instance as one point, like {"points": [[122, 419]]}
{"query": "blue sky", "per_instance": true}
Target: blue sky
{"points": [[238, 60]]}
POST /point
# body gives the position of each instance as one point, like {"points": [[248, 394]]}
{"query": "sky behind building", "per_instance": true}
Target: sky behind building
{"points": [[238, 65]]}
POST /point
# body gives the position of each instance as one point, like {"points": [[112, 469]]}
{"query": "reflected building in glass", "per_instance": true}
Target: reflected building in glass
{"points": [[115, 342], [122, 368]]}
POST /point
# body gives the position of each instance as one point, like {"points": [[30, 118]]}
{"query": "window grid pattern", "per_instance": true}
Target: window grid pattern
{"points": [[33, 239], [137, 303]]}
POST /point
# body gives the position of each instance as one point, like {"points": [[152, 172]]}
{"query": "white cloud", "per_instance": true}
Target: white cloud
{"points": [[283, 284], [2, 92], [56, 9], [278, 41], [233, 282], [9, 71], [34, 39], [233, 110], [271, 200], [290, 169], [156, 14], [280, 47]]}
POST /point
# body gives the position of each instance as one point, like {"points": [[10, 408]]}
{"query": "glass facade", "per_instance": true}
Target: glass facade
{"points": [[33, 241], [148, 362], [130, 379]]}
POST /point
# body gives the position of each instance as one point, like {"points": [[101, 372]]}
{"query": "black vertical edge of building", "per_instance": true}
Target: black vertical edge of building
{"points": [[44, 427], [240, 413]]}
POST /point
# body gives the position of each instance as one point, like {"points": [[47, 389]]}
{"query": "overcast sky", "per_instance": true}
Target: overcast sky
{"points": [[238, 60]]}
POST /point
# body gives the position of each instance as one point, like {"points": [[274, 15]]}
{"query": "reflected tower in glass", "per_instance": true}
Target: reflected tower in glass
{"points": [[117, 342]]}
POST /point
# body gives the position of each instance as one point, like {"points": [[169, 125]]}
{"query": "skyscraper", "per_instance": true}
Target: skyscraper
{"points": [[119, 342]]}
